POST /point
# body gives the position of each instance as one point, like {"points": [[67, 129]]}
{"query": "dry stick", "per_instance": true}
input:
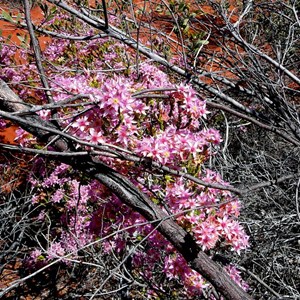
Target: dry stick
{"points": [[129, 41], [42, 131], [254, 121], [65, 36], [234, 31], [180, 239], [105, 14], [255, 50], [271, 182], [129, 194], [179, 32], [21, 281], [154, 165], [64, 103], [37, 51], [55, 154], [144, 206], [138, 27], [297, 199], [71, 37], [231, 84], [99, 24], [260, 281]]}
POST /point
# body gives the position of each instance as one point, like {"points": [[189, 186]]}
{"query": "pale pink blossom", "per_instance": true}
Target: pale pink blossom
{"points": [[81, 123]]}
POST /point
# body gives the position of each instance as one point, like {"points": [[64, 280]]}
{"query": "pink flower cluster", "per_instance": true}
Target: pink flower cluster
{"points": [[176, 145], [211, 220], [166, 127], [236, 276], [176, 268]]}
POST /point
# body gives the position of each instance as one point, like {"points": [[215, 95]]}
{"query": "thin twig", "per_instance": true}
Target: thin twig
{"points": [[37, 52]]}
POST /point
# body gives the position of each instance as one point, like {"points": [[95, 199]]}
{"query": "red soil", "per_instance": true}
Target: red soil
{"points": [[10, 32], [161, 21]]}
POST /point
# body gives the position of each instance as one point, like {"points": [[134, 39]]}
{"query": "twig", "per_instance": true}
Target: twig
{"points": [[297, 199], [254, 121], [37, 52], [260, 281], [105, 14]]}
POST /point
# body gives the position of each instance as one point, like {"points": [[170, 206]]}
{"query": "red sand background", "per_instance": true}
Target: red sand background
{"points": [[14, 8], [8, 135]]}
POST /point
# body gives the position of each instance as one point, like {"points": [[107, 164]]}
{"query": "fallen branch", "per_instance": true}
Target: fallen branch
{"points": [[130, 195]]}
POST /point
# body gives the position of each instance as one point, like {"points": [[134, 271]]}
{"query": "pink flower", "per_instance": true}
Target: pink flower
{"points": [[81, 123], [175, 266], [224, 224], [212, 136], [57, 196], [41, 216], [195, 282], [126, 134], [95, 137], [206, 235], [236, 276], [44, 114], [153, 77], [35, 254], [55, 250]]}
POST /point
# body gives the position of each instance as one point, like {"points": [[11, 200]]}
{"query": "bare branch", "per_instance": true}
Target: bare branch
{"points": [[134, 198], [37, 51]]}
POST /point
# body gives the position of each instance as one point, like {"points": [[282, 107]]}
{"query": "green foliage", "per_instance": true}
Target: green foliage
{"points": [[7, 16]]}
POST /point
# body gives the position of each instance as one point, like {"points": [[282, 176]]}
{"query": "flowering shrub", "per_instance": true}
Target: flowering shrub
{"points": [[146, 113]]}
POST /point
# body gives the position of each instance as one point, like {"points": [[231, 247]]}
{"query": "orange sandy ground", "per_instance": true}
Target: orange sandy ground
{"points": [[9, 30], [8, 134]]}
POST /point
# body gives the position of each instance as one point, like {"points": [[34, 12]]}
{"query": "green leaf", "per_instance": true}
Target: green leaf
{"points": [[7, 17], [18, 18], [159, 9], [21, 38], [182, 6], [203, 42], [186, 28], [24, 40], [185, 21]]}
